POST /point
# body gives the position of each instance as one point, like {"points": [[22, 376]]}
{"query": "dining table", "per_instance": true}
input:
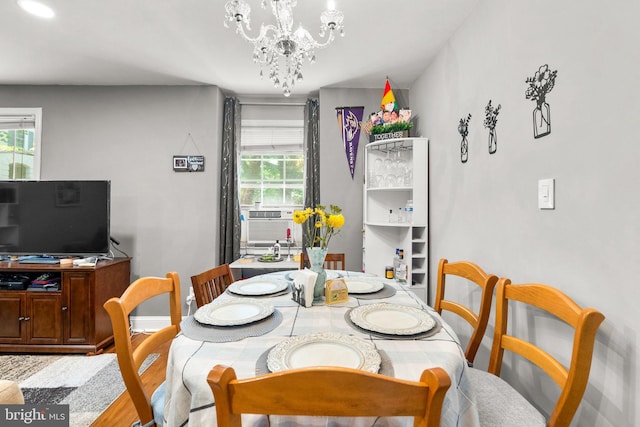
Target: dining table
{"points": [[285, 334]]}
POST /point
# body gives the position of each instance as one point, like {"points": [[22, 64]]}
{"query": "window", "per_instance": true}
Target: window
{"points": [[271, 163], [20, 143]]}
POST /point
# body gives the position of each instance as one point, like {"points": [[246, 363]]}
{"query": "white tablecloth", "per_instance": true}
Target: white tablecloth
{"points": [[189, 400]]}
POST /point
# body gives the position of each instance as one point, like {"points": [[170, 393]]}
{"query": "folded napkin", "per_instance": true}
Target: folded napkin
{"points": [[305, 281]]}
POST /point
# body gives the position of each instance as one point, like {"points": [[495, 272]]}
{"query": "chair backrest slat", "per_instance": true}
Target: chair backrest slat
{"points": [[130, 359], [333, 261], [571, 379], [210, 284], [478, 320], [330, 391]]}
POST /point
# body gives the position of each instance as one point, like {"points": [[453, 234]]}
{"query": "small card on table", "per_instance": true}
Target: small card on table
{"points": [[336, 291]]}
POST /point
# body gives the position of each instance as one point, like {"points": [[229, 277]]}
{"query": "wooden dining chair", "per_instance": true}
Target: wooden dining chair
{"points": [[331, 261], [478, 320], [210, 284], [149, 409], [499, 404], [328, 391]]}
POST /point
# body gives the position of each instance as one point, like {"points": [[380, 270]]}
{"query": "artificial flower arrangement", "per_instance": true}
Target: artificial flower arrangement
{"points": [[390, 118], [321, 225]]}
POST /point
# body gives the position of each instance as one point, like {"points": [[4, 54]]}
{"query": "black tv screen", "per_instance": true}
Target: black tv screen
{"points": [[54, 217]]}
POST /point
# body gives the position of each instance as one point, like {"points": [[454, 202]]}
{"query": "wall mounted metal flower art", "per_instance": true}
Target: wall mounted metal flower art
{"points": [[463, 129], [540, 85], [490, 122]]}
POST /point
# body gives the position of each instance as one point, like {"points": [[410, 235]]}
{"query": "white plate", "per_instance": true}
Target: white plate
{"points": [[363, 285], [232, 312], [257, 286], [393, 319], [324, 349], [331, 274]]}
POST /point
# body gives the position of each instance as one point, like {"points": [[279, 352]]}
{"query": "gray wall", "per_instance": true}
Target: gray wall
{"points": [[166, 221], [336, 186], [486, 210]]}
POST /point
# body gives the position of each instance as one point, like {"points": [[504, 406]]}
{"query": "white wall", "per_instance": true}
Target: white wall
{"points": [[166, 221], [486, 210]]}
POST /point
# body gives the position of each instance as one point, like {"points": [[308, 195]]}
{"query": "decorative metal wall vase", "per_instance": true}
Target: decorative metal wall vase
{"points": [[493, 141], [463, 130], [490, 122], [464, 150], [540, 85], [541, 120]]}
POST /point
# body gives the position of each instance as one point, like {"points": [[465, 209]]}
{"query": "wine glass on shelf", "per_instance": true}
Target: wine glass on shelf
{"points": [[377, 165], [388, 162], [400, 167]]}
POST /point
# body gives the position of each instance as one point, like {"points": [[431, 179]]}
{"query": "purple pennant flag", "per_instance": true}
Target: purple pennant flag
{"points": [[349, 119]]}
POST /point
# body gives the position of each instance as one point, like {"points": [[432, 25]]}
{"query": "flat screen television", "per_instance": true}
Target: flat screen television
{"points": [[55, 218]]}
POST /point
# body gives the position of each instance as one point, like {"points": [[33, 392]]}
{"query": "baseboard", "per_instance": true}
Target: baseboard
{"points": [[149, 323]]}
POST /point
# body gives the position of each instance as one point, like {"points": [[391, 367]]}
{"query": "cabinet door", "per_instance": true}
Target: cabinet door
{"points": [[76, 288], [12, 318], [44, 323]]}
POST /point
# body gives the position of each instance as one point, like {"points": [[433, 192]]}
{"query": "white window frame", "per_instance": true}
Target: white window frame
{"points": [[24, 114], [272, 147]]}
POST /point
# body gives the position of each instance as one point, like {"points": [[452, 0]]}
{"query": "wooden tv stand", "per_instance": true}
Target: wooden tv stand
{"points": [[69, 318]]}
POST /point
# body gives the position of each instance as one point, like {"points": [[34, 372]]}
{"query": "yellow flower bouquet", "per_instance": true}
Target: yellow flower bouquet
{"points": [[321, 225]]}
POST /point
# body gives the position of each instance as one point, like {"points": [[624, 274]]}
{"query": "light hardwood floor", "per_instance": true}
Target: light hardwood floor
{"points": [[121, 413]]}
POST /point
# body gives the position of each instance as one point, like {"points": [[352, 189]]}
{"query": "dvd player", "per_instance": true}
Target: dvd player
{"points": [[14, 282]]}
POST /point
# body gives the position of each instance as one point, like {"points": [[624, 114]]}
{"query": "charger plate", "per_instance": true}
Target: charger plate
{"points": [[233, 312], [256, 287], [392, 319], [331, 274], [324, 349]]}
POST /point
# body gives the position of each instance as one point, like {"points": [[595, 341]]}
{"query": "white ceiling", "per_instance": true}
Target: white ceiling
{"points": [[184, 42]]}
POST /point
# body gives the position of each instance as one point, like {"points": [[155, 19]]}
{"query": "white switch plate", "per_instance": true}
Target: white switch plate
{"points": [[546, 193]]}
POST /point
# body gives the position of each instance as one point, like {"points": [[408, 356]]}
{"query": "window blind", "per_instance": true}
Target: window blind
{"points": [[270, 138], [17, 121]]}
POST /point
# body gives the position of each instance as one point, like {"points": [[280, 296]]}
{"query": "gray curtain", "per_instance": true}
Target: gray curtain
{"points": [[312, 155], [230, 230]]}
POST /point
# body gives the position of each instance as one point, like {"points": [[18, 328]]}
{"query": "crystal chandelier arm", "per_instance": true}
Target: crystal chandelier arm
{"points": [[264, 29]]}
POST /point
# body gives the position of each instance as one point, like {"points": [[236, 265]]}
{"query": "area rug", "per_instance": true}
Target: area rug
{"points": [[88, 384]]}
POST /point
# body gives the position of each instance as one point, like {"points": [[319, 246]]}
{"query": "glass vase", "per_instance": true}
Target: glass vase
{"points": [[316, 259], [541, 120]]}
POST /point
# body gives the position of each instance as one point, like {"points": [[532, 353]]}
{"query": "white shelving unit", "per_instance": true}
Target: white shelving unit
{"points": [[396, 171]]}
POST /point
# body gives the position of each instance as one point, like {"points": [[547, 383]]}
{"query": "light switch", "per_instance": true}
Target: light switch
{"points": [[546, 193]]}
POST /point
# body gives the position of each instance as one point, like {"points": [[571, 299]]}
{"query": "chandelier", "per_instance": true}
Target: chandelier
{"points": [[278, 47]]}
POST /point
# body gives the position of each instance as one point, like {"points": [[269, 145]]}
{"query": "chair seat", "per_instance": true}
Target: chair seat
{"points": [[157, 403], [499, 404]]}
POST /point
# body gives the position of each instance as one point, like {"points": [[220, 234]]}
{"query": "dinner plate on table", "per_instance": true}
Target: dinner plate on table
{"points": [[392, 319], [257, 287], [363, 285], [233, 312], [324, 349]]}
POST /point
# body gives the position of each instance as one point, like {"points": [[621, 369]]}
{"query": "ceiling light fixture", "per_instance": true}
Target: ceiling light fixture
{"points": [[36, 8], [280, 47]]}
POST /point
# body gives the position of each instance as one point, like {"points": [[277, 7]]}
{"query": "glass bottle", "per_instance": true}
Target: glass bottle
{"points": [[276, 250], [401, 271]]}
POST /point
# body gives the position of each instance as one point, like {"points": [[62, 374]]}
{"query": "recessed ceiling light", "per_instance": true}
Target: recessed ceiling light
{"points": [[36, 8]]}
